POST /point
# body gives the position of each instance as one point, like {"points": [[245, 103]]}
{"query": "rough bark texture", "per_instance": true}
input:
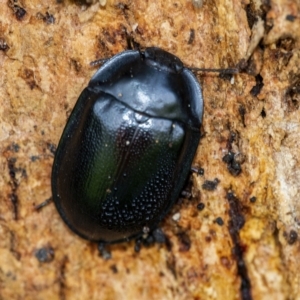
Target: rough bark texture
{"points": [[244, 244]]}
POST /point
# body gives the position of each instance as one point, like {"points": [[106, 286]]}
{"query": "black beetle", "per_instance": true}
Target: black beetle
{"points": [[128, 146]]}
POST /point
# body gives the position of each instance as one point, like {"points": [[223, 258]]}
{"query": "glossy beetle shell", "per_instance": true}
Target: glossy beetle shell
{"points": [[128, 146]]}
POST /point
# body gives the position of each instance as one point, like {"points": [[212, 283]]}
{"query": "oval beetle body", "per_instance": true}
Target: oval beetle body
{"points": [[128, 146]]}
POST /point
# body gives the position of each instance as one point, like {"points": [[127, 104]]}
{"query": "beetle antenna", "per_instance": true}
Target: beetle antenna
{"points": [[222, 71], [99, 61]]}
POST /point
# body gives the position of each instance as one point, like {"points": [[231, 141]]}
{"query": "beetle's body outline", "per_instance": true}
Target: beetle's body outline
{"points": [[128, 146]]}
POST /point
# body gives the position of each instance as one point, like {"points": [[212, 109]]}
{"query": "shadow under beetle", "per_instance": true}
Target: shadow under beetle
{"points": [[128, 146]]}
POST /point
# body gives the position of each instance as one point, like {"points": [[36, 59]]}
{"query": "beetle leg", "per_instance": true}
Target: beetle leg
{"points": [[137, 246], [198, 171], [186, 194], [159, 236], [104, 253], [156, 236], [43, 204]]}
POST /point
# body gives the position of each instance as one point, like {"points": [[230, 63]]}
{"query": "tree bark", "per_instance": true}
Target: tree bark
{"points": [[236, 240]]}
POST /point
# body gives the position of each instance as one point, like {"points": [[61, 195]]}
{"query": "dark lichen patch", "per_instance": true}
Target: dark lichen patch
{"points": [[233, 165], [228, 157], [157, 236], [34, 158], [14, 147], [200, 206], [18, 11], [237, 218], [263, 113], [210, 185], [44, 254], [219, 221], [47, 18], [290, 18]]}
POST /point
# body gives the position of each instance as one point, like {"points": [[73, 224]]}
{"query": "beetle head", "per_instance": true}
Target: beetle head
{"points": [[162, 60]]}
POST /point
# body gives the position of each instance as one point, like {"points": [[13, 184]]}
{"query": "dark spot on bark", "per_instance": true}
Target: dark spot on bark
{"points": [[13, 170], [235, 224], [114, 269], [200, 206], [103, 251], [291, 237], [233, 165], [192, 36], [185, 241], [51, 147], [258, 86], [76, 65], [62, 278], [44, 254], [34, 158], [242, 112], [171, 265], [159, 236], [219, 221], [18, 11], [290, 18], [198, 171], [210, 185], [3, 45]]}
